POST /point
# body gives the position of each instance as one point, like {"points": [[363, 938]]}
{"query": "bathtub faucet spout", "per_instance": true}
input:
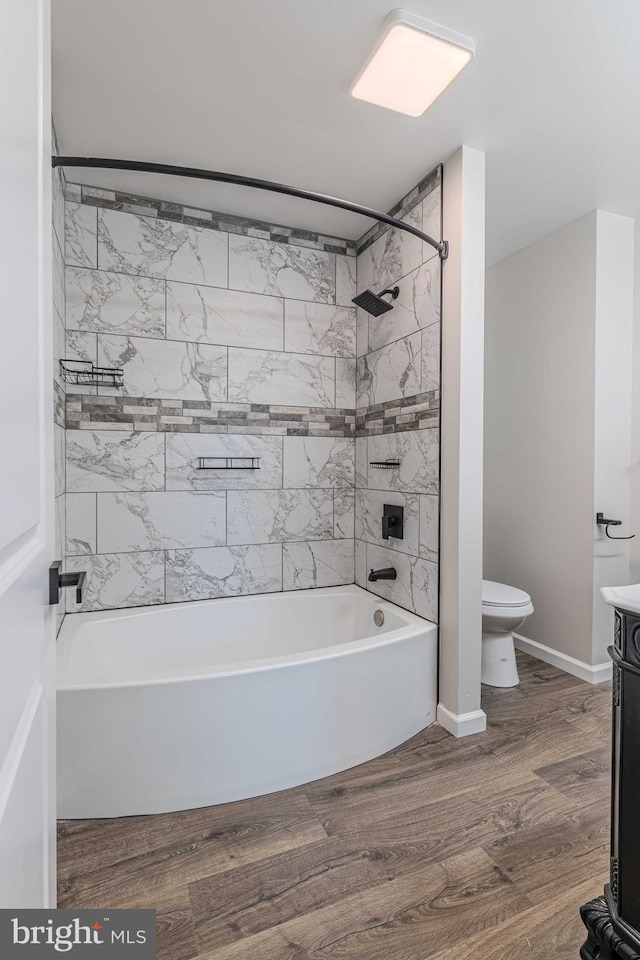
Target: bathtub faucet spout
{"points": [[387, 573]]}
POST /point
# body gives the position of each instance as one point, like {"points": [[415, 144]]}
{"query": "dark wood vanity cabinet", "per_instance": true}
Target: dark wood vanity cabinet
{"points": [[613, 921]]}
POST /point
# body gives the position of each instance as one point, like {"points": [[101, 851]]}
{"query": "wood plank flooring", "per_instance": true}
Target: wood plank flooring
{"points": [[484, 847]]}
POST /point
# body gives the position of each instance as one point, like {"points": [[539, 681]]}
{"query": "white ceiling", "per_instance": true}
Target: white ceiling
{"points": [[260, 87]]}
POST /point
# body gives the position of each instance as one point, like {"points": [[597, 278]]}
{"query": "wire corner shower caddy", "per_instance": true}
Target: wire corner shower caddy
{"points": [[86, 373], [169, 169]]}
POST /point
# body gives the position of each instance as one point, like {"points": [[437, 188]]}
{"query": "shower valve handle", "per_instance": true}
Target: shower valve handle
{"points": [[387, 524], [392, 521]]}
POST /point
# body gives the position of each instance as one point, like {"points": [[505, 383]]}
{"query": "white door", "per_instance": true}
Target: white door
{"points": [[27, 622]]}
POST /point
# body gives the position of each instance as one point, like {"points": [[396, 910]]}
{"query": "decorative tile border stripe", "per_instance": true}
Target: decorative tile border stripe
{"points": [[397, 416], [58, 404], [149, 207], [87, 412], [426, 186]]}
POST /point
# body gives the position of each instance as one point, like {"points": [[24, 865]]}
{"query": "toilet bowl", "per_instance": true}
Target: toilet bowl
{"points": [[504, 609]]}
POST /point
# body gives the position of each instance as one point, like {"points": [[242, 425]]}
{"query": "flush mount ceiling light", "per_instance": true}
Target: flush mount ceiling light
{"points": [[413, 62]]}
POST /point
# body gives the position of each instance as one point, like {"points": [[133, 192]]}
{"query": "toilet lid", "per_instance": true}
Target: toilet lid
{"points": [[500, 595]]}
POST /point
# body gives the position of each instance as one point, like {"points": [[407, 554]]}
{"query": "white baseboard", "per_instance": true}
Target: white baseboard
{"points": [[577, 668], [462, 724]]}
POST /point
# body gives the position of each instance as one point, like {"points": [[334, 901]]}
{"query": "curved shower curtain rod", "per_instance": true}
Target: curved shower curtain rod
{"points": [[442, 246]]}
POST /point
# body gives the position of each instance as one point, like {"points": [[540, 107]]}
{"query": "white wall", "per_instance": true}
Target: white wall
{"points": [[461, 449], [557, 416], [634, 571], [613, 413]]}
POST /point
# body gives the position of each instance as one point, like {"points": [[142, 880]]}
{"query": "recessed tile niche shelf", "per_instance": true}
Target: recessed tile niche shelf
{"points": [[384, 464], [228, 463], [85, 373]]}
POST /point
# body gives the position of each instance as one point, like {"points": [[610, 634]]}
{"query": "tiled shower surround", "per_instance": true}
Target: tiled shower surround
{"points": [[243, 342], [398, 391]]}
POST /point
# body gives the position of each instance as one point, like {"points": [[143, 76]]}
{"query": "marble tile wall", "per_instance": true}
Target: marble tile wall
{"points": [[149, 526], [398, 405], [426, 188], [232, 345], [191, 313], [85, 411]]}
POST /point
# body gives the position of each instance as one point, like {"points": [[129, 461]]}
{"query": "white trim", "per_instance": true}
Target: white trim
{"points": [[11, 764], [19, 556], [577, 668], [461, 447], [462, 724]]}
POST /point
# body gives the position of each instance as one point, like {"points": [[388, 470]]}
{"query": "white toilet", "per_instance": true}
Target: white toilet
{"points": [[504, 609]]}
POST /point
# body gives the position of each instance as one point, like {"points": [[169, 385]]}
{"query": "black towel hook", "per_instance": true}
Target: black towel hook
{"points": [[605, 522]]}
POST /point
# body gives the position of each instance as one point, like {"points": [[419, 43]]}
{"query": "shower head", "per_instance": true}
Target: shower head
{"points": [[373, 302]]}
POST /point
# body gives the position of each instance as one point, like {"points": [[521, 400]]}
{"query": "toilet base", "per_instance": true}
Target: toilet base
{"points": [[499, 660]]}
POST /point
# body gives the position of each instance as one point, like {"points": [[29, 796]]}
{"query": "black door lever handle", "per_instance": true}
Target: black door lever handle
{"points": [[59, 580]]}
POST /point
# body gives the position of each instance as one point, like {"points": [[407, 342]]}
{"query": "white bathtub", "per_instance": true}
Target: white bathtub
{"points": [[185, 705]]}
